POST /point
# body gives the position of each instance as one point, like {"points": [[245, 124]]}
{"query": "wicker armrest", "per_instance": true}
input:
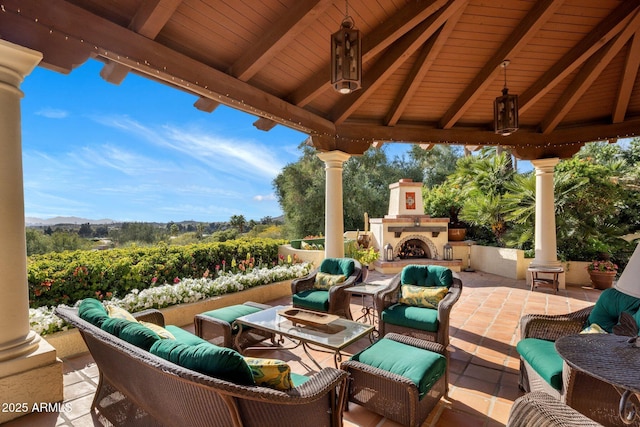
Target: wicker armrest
{"points": [[304, 283], [541, 410], [416, 342], [552, 327], [151, 315], [387, 296]]}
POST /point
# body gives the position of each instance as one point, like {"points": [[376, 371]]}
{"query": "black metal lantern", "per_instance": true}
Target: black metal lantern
{"points": [[388, 252], [447, 252], [346, 56], [505, 109]]}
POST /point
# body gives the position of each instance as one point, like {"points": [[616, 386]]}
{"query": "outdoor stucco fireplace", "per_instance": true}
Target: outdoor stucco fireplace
{"points": [[416, 238]]}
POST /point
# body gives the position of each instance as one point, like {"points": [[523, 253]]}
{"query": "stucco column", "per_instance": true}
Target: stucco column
{"points": [[333, 211], [29, 371], [546, 249]]}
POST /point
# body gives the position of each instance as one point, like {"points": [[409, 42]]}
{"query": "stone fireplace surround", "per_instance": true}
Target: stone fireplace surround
{"points": [[406, 222]]}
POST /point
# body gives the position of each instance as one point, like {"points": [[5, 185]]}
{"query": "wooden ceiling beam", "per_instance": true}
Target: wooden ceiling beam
{"points": [[392, 59], [514, 43], [264, 124], [628, 79], [108, 40], [587, 75], [205, 104], [381, 37], [606, 30], [151, 17], [300, 16], [426, 57]]}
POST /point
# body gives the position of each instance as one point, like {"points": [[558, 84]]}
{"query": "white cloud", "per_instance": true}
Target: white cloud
{"points": [[264, 198], [52, 113]]}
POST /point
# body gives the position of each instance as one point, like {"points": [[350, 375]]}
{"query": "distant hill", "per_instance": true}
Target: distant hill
{"points": [[33, 222]]}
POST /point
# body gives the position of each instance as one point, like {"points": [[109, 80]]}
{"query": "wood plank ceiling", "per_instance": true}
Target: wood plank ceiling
{"points": [[431, 67]]}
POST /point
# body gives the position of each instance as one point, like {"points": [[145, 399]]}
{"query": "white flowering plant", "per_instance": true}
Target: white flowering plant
{"points": [[43, 320]]}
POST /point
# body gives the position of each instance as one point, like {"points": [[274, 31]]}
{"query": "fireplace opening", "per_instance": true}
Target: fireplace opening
{"points": [[414, 248]]}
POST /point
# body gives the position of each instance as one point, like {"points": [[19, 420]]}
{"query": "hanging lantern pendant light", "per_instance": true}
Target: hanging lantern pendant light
{"points": [[505, 109], [346, 56]]}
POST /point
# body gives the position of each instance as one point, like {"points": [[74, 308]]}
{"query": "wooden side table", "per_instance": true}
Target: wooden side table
{"points": [[545, 276]]}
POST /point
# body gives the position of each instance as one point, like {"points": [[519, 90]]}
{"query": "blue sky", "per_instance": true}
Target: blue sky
{"points": [[141, 151]]}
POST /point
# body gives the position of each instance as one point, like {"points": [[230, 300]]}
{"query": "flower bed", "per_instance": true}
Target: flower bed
{"points": [[43, 320]]}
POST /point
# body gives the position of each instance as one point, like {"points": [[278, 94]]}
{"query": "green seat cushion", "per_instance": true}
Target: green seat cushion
{"points": [[424, 319], [426, 275], [131, 332], [344, 266], [422, 367], [611, 303], [231, 313], [92, 310], [312, 299], [184, 337], [543, 358], [206, 358]]}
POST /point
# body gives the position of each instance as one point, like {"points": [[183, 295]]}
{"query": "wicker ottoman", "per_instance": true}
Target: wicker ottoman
{"points": [[399, 377], [217, 325]]}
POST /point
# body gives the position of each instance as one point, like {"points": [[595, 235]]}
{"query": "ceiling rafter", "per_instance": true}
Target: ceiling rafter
{"points": [[301, 16], [382, 37], [629, 75], [586, 76], [148, 21], [427, 55], [601, 34], [533, 21], [393, 58]]}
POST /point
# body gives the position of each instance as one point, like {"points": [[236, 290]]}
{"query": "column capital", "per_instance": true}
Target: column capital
{"points": [[545, 165], [17, 62], [334, 157]]}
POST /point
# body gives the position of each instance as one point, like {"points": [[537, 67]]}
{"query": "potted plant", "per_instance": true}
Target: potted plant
{"points": [[366, 257], [602, 273]]}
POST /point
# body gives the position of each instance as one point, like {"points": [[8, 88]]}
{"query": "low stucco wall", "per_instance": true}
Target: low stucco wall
{"points": [[69, 343], [503, 262], [313, 256]]}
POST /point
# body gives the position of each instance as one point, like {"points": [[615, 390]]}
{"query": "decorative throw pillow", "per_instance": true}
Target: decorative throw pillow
{"points": [[272, 373], [594, 328], [420, 296], [162, 332], [324, 281], [120, 313]]}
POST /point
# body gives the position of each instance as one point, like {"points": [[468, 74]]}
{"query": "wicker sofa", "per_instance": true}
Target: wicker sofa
{"points": [[138, 388], [542, 410], [594, 398]]}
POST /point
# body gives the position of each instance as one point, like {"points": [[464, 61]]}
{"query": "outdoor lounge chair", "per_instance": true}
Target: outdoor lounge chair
{"points": [[541, 410], [542, 369], [323, 289], [412, 313]]}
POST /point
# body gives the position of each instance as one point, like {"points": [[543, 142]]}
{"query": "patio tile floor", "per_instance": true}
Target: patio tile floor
{"points": [[483, 370]]}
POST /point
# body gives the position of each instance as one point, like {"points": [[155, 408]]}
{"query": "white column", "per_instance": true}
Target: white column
{"points": [[333, 218], [546, 249], [29, 371]]}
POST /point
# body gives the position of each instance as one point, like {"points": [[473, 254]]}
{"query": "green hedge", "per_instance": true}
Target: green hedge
{"points": [[66, 277]]}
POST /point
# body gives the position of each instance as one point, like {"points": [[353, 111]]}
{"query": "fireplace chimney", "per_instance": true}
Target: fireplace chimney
{"points": [[405, 199]]}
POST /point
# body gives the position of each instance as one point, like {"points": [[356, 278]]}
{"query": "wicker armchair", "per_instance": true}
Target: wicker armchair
{"points": [[541, 410], [594, 398], [390, 296], [335, 300], [138, 388]]}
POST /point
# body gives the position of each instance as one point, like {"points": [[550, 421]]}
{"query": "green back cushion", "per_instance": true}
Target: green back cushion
{"points": [[611, 303], [425, 319], [131, 332], [92, 310], [426, 275], [344, 266], [421, 366], [206, 358], [184, 337], [543, 358]]}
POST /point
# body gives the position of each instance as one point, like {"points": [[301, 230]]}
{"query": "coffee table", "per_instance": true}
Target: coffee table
{"points": [[336, 336]]}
